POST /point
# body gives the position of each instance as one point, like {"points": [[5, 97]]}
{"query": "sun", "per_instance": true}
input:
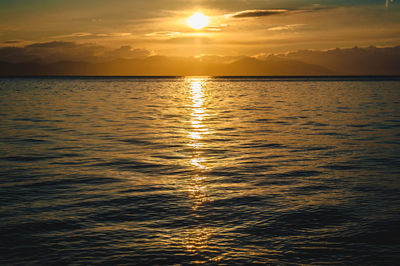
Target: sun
{"points": [[198, 21]]}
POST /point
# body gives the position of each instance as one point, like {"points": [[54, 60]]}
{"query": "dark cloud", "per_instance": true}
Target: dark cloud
{"points": [[16, 55], [55, 44], [274, 12], [259, 13], [12, 42], [68, 51]]}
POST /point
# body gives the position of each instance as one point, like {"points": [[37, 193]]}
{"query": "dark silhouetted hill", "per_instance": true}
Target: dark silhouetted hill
{"points": [[355, 61], [164, 66]]}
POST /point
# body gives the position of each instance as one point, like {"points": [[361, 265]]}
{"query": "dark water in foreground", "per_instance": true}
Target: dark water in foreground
{"points": [[192, 171]]}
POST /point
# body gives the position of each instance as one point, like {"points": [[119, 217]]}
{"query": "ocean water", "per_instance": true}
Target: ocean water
{"points": [[214, 171]]}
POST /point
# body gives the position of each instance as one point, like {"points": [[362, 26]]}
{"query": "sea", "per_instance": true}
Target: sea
{"points": [[200, 171]]}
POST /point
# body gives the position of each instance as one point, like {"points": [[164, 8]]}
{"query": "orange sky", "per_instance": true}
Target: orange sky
{"points": [[236, 27]]}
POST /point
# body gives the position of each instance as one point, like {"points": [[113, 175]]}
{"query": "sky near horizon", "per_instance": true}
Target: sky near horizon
{"points": [[236, 27]]}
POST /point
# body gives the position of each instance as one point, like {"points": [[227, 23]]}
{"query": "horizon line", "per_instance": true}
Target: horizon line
{"points": [[154, 77]]}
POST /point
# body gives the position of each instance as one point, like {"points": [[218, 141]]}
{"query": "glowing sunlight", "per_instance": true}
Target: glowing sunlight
{"points": [[198, 21]]}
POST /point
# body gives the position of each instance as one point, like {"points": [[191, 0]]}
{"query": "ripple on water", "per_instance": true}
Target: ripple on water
{"points": [[199, 171]]}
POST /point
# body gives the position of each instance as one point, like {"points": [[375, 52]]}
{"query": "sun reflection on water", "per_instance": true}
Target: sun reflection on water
{"points": [[198, 108], [196, 133], [196, 239]]}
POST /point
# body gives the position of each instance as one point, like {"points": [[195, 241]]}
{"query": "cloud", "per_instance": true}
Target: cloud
{"points": [[68, 51], [16, 55], [64, 51], [254, 13], [12, 42], [117, 34], [217, 28], [258, 13], [73, 35], [182, 37], [190, 39], [76, 35], [55, 44], [164, 34], [127, 52], [285, 27]]}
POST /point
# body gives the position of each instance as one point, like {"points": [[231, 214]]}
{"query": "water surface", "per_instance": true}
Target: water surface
{"points": [[199, 171]]}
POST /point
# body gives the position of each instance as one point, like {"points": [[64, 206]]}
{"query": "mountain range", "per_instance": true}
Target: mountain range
{"points": [[335, 62]]}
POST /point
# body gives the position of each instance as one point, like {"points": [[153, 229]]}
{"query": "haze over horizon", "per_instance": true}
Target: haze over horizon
{"points": [[252, 32]]}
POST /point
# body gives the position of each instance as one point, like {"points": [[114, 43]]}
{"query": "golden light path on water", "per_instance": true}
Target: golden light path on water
{"points": [[196, 134], [197, 239]]}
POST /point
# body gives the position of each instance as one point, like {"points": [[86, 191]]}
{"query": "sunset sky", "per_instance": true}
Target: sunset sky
{"points": [[126, 28]]}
